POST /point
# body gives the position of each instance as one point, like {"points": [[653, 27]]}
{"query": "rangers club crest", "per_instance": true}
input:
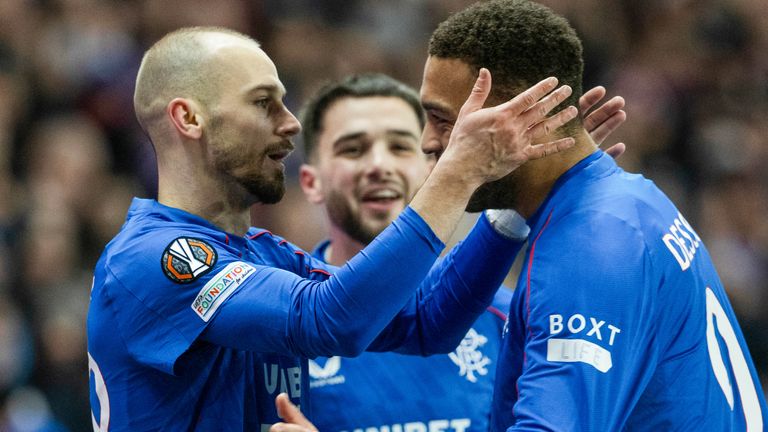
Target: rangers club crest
{"points": [[469, 358], [185, 259]]}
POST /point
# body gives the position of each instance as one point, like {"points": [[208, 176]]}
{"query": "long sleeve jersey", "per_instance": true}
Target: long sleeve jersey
{"points": [[619, 320], [192, 328], [386, 391]]}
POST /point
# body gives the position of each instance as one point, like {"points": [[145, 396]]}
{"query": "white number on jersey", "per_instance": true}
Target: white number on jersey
{"points": [[718, 320], [101, 392]]}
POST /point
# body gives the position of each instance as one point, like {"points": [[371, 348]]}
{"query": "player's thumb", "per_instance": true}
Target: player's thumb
{"points": [[290, 413], [479, 93]]}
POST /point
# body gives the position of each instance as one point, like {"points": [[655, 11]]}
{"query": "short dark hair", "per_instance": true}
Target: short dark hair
{"points": [[360, 86], [519, 41]]}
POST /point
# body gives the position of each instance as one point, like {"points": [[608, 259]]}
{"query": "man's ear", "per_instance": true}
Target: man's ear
{"points": [[311, 184], [186, 117]]}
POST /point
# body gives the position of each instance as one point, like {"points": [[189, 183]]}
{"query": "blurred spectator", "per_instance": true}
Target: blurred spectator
{"points": [[27, 410], [694, 74]]}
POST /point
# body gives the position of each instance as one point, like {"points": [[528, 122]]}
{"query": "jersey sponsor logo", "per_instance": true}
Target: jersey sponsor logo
{"points": [[581, 350], [325, 375], [185, 259], [682, 241], [278, 379], [220, 287], [440, 425], [469, 358]]}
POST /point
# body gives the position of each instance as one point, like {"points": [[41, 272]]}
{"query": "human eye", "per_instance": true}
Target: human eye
{"points": [[262, 102], [402, 147], [349, 150], [439, 120]]}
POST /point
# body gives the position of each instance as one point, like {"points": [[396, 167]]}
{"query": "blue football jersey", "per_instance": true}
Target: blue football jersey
{"points": [[191, 328], [619, 320], [395, 392]]}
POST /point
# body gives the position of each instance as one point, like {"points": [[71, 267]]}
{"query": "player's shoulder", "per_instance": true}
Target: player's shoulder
{"points": [[151, 252], [151, 226], [633, 199], [591, 230], [272, 249], [265, 240], [630, 216], [501, 300]]}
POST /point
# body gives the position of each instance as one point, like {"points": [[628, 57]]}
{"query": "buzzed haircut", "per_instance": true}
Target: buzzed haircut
{"points": [[519, 41], [359, 86], [178, 66]]}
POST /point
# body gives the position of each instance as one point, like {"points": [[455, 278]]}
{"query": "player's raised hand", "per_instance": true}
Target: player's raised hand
{"points": [[604, 120], [499, 139], [293, 419]]}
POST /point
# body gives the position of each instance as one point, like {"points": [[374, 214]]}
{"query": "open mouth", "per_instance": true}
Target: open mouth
{"points": [[381, 196], [279, 155]]}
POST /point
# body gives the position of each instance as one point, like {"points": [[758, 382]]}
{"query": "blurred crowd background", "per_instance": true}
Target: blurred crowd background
{"points": [[694, 75]]}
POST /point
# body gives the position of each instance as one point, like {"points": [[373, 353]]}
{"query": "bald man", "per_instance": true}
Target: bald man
{"points": [[197, 320]]}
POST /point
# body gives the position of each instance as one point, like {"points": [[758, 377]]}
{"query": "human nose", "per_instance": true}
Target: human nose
{"points": [[381, 160], [431, 141], [289, 125]]}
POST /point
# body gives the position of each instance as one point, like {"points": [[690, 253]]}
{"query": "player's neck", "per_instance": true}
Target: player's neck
{"points": [[541, 175], [207, 200], [342, 247]]}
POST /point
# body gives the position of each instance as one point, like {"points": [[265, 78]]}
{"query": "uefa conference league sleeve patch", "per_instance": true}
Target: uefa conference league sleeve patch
{"points": [[185, 259]]}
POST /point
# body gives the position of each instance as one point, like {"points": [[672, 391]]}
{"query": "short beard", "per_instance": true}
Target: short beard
{"points": [[255, 188], [265, 191], [341, 215], [498, 194]]}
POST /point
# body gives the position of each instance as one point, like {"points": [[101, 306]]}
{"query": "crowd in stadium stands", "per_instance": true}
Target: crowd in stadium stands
{"points": [[695, 78]]}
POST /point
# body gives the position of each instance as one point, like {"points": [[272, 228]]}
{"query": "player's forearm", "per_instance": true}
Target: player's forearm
{"points": [[342, 315], [442, 199], [453, 296], [471, 275], [280, 311]]}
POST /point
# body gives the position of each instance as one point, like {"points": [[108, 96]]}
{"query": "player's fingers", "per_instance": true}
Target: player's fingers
{"points": [[479, 93], [603, 113], [590, 98], [607, 126], [548, 125], [616, 150], [540, 109], [291, 414], [528, 98], [538, 151]]}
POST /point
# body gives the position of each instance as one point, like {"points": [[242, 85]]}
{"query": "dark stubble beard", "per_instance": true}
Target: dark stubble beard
{"points": [[260, 188], [342, 216], [266, 191], [499, 194]]}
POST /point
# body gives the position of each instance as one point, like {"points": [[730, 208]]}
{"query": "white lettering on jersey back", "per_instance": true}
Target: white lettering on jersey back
{"points": [[453, 425], [325, 375], [579, 350], [682, 241], [468, 356]]}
